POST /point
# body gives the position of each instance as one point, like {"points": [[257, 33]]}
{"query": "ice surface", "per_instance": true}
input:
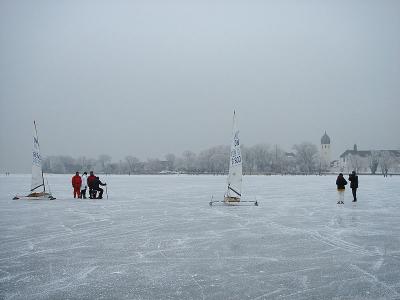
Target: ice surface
{"points": [[156, 237]]}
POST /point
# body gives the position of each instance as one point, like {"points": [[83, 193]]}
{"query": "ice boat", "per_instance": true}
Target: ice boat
{"points": [[233, 192], [38, 187]]}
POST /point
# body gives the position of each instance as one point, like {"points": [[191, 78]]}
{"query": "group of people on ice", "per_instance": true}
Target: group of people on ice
{"points": [[81, 183], [341, 182]]}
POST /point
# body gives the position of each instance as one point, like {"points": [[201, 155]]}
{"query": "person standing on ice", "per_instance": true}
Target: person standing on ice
{"points": [[76, 184], [340, 183], [353, 178], [90, 180], [96, 187], [84, 185]]}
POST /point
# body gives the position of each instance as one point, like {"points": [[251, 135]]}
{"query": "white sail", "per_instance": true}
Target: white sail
{"points": [[37, 182], [234, 188]]}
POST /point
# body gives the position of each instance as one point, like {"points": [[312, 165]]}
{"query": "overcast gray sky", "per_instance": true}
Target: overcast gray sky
{"points": [[146, 78]]}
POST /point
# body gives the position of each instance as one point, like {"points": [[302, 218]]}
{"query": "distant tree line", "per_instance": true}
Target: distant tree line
{"points": [[257, 159]]}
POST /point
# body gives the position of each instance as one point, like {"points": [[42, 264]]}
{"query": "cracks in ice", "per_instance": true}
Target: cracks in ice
{"points": [[373, 278], [198, 284]]}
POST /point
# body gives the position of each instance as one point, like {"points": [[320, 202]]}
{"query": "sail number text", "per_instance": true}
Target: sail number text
{"points": [[236, 159], [36, 158]]}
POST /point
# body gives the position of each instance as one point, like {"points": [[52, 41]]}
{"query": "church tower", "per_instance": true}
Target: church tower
{"points": [[325, 151]]}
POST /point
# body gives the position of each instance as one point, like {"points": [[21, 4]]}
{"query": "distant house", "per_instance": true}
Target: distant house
{"points": [[290, 166], [364, 160], [153, 166], [290, 155], [334, 164]]}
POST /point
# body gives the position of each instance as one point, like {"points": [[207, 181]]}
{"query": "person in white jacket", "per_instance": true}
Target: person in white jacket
{"points": [[84, 185]]}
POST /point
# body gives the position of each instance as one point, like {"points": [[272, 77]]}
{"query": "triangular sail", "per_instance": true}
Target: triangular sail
{"points": [[234, 188], [37, 182], [234, 182]]}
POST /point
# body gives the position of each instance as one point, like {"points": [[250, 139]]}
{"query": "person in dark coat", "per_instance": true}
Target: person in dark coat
{"points": [[96, 187], [353, 178], [341, 183]]}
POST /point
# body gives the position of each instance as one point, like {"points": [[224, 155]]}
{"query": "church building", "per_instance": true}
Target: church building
{"points": [[325, 152]]}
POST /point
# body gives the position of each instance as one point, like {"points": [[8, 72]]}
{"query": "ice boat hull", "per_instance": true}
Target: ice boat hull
{"points": [[232, 201], [35, 196]]}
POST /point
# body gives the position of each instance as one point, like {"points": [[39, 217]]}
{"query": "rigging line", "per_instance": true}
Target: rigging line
{"points": [[44, 186], [37, 136], [47, 185]]}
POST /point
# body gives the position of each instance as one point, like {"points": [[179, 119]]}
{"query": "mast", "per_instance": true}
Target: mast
{"points": [[230, 159]]}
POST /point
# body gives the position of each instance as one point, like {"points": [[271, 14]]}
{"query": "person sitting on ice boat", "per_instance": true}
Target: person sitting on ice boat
{"points": [[90, 180], [96, 187], [76, 184]]}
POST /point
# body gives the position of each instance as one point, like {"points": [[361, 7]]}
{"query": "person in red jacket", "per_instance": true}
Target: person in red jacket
{"points": [[76, 184], [90, 180]]}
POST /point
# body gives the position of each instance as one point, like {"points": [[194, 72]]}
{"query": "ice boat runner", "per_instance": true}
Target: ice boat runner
{"points": [[234, 183], [38, 188]]}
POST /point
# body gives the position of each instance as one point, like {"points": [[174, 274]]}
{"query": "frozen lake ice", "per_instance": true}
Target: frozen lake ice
{"points": [[156, 237]]}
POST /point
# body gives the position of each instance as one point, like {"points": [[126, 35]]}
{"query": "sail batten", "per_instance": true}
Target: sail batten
{"points": [[237, 193]]}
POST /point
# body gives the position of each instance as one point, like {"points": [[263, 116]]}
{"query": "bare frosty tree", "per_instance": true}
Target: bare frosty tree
{"points": [[258, 159], [189, 161], [154, 165], [279, 162], [214, 160], [53, 164], [290, 165], [170, 158], [133, 163], [385, 162], [306, 157], [103, 160], [85, 164], [355, 162], [374, 161], [248, 160], [262, 158], [112, 168]]}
